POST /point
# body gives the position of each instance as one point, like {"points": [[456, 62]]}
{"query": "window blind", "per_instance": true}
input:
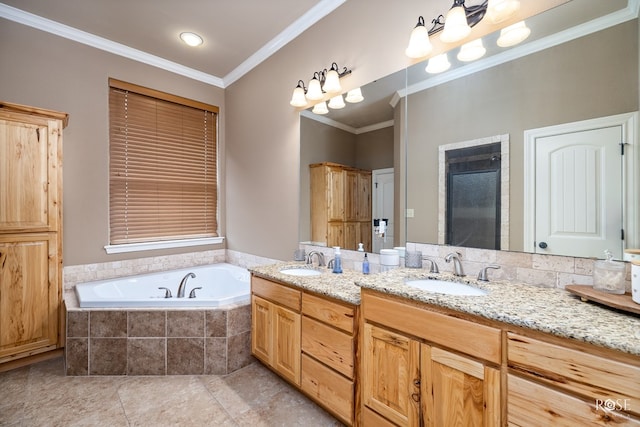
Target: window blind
{"points": [[162, 166]]}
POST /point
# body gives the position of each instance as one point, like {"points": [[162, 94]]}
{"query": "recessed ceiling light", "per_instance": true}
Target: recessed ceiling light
{"points": [[192, 39]]}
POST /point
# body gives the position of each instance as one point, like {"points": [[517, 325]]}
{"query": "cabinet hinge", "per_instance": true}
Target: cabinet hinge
{"points": [[622, 234], [622, 144]]}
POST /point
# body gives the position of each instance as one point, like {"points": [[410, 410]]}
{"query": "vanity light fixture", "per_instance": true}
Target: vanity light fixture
{"points": [[191, 39], [513, 34], [323, 82], [457, 24]]}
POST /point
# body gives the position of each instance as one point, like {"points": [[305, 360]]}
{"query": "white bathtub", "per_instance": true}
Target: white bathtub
{"points": [[222, 284]]}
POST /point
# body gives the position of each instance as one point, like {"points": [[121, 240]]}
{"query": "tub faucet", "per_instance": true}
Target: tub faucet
{"points": [[320, 256], [457, 265], [183, 284]]}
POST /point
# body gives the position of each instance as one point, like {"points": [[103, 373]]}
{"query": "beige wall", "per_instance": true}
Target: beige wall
{"points": [[47, 71], [590, 77]]}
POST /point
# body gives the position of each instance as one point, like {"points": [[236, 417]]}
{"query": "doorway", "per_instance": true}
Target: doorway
{"points": [[382, 205]]}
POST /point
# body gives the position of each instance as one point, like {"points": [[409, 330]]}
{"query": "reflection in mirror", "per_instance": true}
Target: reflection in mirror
{"points": [[580, 62], [360, 136], [561, 79]]}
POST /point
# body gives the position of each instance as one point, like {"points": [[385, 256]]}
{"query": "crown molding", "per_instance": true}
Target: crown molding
{"points": [[595, 25], [313, 15], [356, 131], [56, 28]]}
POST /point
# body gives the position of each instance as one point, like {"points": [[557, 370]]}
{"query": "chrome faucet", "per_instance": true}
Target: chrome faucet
{"points": [[183, 284], [457, 265], [319, 255], [482, 275], [434, 266]]}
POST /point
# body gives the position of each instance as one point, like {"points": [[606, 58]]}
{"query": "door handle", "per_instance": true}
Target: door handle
{"points": [[542, 245]]}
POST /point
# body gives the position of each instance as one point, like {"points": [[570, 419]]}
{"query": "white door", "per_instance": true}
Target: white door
{"points": [[382, 207], [578, 193]]}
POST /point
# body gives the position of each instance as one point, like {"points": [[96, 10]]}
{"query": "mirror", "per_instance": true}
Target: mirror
{"points": [[537, 85]]}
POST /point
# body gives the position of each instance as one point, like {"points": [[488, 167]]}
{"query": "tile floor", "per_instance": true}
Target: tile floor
{"points": [[41, 395]]}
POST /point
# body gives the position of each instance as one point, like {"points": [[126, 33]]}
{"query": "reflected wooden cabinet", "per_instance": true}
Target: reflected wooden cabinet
{"points": [[30, 232], [413, 373], [340, 205]]}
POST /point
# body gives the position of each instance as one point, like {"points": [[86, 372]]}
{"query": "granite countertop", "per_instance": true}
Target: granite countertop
{"points": [[339, 286], [551, 310]]}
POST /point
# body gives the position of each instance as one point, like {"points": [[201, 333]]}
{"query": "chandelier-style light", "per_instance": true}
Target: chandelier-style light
{"points": [[457, 25], [322, 83]]}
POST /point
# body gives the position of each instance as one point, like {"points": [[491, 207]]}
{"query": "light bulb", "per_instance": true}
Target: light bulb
{"points": [[192, 39], [332, 82], [320, 108], [471, 51], [513, 34], [354, 96], [419, 43], [500, 10], [314, 93], [298, 99], [336, 102], [438, 64], [455, 25]]}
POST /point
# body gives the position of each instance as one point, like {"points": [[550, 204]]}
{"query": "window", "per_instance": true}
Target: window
{"points": [[163, 167]]}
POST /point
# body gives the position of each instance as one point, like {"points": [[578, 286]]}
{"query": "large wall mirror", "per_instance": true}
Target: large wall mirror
{"points": [[580, 63]]}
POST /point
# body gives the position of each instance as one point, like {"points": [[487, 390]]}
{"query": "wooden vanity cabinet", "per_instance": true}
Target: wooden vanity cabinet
{"points": [[275, 327], [31, 321], [552, 383], [310, 340], [422, 367]]}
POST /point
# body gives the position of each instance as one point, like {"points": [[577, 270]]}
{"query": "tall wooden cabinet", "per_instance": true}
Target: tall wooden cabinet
{"points": [[30, 231], [340, 205]]}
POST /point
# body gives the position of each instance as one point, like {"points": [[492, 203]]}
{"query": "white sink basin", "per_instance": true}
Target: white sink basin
{"points": [[444, 287], [300, 272]]}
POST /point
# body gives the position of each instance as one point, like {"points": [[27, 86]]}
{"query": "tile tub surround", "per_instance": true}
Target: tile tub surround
{"points": [[158, 341]]}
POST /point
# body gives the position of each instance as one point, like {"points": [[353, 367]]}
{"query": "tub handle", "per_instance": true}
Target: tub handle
{"points": [[192, 294], [167, 292]]}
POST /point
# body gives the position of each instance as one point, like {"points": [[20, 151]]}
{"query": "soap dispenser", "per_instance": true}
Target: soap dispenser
{"points": [[365, 265], [337, 260]]}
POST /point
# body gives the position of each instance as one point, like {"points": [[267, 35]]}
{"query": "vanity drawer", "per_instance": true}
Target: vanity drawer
{"points": [[578, 371], [532, 404], [478, 340], [337, 315], [277, 293], [333, 391], [328, 345]]}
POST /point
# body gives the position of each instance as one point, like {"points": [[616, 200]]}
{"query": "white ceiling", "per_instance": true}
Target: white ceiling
{"points": [[238, 34]]}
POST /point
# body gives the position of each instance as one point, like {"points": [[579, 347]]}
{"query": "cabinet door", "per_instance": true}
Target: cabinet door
{"points": [[261, 329], [391, 377], [366, 235], [29, 294], [364, 196], [286, 334], [28, 177], [351, 235], [351, 201], [335, 193], [458, 391], [336, 234]]}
